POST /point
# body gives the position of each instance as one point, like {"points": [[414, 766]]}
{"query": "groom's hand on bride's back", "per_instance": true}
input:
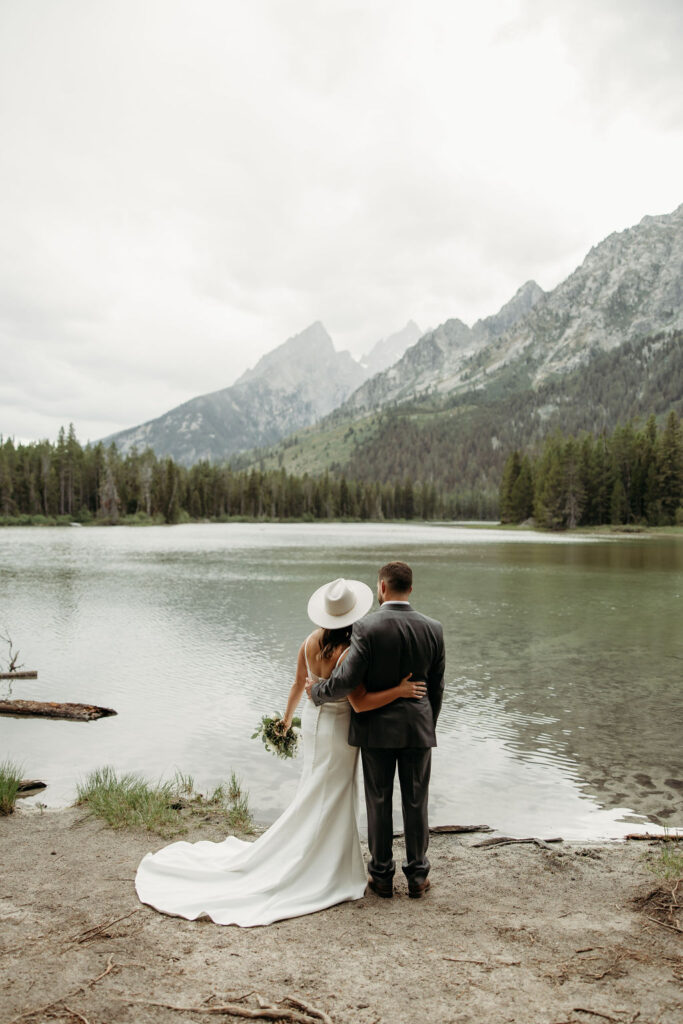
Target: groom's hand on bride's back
{"points": [[308, 685]]}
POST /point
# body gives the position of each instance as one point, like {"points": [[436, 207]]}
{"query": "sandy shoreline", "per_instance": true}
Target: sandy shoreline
{"points": [[515, 934]]}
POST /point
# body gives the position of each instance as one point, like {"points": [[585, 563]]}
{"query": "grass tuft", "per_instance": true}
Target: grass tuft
{"points": [[667, 864], [10, 777], [129, 801]]}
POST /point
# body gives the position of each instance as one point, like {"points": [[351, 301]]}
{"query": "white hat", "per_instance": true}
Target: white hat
{"points": [[339, 603]]}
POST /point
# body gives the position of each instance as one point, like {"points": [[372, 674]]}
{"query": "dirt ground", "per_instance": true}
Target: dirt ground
{"points": [[517, 933]]}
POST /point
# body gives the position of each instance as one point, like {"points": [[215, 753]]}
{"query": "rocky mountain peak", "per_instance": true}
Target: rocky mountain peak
{"points": [[292, 356], [389, 350], [288, 388], [524, 300]]}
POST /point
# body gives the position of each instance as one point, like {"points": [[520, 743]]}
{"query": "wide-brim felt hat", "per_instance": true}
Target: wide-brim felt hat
{"points": [[340, 603]]}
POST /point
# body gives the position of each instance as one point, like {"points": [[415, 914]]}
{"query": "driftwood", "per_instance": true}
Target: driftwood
{"points": [[52, 709], [31, 786], [302, 1013], [508, 840], [18, 675], [437, 830], [666, 837]]}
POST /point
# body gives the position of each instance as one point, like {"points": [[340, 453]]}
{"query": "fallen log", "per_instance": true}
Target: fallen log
{"points": [[508, 841], [665, 837], [53, 709], [437, 830], [30, 786], [18, 675]]}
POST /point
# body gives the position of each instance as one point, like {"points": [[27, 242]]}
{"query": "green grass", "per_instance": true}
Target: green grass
{"points": [[130, 801], [667, 863], [10, 777]]}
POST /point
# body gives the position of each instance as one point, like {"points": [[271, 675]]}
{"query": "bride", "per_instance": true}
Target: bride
{"points": [[310, 858]]}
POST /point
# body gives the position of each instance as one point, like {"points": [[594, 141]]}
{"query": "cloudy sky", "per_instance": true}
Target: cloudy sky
{"points": [[184, 184]]}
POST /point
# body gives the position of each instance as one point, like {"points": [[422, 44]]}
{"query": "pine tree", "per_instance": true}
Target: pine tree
{"points": [[671, 468], [522, 497], [550, 496], [109, 496], [575, 495], [619, 504], [508, 509]]}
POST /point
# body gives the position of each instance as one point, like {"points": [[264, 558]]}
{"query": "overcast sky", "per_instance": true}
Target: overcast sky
{"points": [[184, 184]]}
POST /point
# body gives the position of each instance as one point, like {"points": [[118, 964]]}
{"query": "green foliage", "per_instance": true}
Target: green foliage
{"points": [[668, 863], [136, 489], [10, 777], [277, 741], [631, 476], [129, 801]]}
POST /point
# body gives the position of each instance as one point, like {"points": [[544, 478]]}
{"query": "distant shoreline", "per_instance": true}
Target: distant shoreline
{"points": [[632, 530]]}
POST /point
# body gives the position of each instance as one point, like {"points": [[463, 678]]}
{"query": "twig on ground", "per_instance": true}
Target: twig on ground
{"points": [[111, 966], [252, 1013], [263, 1003], [594, 1013], [27, 1014], [483, 963], [75, 1013], [92, 933], [671, 927], [312, 1011]]}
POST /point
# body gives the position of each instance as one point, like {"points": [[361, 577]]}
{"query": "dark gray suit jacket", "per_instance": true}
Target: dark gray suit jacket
{"points": [[385, 646]]}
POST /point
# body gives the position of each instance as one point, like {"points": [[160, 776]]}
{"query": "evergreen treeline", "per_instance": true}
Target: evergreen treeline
{"points": [[42, 481], [629, 476], [462, 440]]}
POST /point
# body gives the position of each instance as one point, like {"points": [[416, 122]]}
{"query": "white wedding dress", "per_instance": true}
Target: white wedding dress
{"points": [[309, 859]]}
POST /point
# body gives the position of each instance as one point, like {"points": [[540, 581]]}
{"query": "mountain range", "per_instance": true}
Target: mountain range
{"points": [[292, 386], [453, 381]]}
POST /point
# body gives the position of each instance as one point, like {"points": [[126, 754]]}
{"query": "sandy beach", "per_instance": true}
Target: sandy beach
{"points": [[517, 933]]}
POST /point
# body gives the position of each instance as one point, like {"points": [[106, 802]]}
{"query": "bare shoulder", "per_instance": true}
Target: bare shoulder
{"points": [[311, 643]]}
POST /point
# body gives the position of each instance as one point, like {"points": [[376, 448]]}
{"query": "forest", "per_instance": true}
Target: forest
{"points": [[462, 440], [632, 475], [628, 476], [43, 482]]}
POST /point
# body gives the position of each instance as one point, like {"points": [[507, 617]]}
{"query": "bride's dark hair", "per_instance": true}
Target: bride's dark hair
{"points": [[333, 638]]}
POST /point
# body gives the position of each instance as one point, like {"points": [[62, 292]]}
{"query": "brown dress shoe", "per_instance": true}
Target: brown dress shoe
{"points": [[383, 889], [416, 890]]}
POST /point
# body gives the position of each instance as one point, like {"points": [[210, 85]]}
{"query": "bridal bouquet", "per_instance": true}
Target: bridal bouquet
{"points": [[277, 739]]}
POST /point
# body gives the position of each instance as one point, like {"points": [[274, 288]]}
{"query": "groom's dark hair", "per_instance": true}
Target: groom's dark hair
{"points": [[398, 577]]}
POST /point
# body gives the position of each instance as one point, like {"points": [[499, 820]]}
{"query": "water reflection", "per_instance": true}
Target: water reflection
{"points": [[564, 657]]}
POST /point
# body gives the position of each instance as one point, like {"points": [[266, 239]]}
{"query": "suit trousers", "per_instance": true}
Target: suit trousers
{"points": [[414, 767]]}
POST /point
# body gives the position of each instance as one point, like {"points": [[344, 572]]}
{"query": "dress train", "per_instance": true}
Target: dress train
{"points": [[309, 859]]}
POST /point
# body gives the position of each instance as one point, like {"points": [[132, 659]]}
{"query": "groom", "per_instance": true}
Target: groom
{"points": [[386, 646]]}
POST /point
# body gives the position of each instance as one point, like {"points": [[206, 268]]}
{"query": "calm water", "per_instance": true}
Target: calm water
{"points": [[563, 712]]}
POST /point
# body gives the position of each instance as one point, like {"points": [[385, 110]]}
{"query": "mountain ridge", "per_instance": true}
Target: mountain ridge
{"points": [[289, 387], [628, 286]]}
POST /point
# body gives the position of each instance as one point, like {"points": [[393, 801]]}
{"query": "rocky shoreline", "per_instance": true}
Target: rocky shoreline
{"points": [[518, 933]]}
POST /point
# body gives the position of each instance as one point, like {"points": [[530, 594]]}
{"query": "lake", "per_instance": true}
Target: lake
{"points": [[563, 711]]}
